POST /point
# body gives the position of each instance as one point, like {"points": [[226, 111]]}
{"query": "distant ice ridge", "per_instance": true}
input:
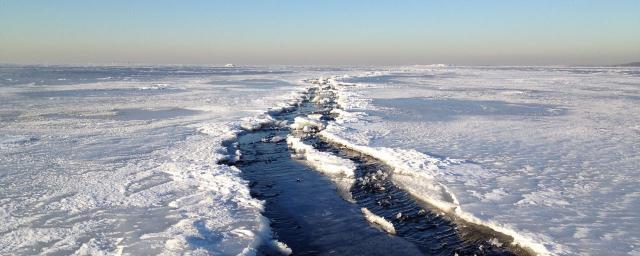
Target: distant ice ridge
{"points": [[417, 173]]}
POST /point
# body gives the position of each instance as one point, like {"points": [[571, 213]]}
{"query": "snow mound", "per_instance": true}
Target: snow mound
{"points": [[306, 124]]}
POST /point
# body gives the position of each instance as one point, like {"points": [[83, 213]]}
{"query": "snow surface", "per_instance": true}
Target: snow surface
{"points": [[549, 155], [110, 160]]}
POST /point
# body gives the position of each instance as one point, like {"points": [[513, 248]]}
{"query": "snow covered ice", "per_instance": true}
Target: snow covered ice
{"points": [[109, 160], [124, 159], [547, 154]]}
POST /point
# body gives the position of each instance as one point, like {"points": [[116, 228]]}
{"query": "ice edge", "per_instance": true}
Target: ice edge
{"points": [[264, 233], [449, 205]]}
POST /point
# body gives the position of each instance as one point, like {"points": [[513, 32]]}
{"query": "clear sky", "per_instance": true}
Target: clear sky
{"points": [[320, 32]]}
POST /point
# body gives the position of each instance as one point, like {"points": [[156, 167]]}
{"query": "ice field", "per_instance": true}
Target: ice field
{"points": [[126, 160], [123, 159], [550, 153]]}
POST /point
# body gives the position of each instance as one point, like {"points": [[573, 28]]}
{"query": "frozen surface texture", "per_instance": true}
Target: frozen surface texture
{"points": [[107, 160], [551, 154]]}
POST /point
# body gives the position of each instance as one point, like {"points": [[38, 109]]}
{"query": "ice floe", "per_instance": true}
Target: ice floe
{"points": [[378, 221]]}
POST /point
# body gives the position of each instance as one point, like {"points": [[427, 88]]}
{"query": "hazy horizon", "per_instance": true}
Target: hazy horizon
{"points": [[320, 32]]}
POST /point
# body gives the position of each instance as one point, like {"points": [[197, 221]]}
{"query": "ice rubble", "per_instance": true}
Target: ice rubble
{"points": [[306, 124]]}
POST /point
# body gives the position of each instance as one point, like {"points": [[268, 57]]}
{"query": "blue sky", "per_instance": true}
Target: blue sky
{"points": [[320, 32]]}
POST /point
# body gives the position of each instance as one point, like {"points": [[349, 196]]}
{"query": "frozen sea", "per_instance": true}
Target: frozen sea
{"points": [[550, 153], [124, 159]]}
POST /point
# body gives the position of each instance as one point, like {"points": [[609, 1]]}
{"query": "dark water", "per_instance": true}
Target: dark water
{"points": [[308, 214], [305, 211]]}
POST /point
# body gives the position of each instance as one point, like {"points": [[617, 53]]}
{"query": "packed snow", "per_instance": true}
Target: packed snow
{"points": [[548, 155]]}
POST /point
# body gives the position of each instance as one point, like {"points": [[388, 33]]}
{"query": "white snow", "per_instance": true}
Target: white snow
{"points": [[306, 123], [378, 221], [548, 155], [323, 161]]}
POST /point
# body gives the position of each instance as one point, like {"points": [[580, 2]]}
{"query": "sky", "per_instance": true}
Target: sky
{"points": [[329, 32]]}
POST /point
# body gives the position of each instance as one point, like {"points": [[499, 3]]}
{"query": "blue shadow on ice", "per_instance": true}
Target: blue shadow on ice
{"points": [[205, 239], [428, 109]]}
